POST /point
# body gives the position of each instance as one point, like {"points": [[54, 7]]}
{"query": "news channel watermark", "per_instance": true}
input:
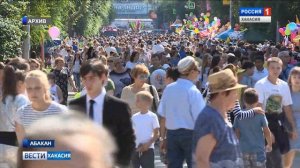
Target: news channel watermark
{"points": [[28, 143], [46, 155], [36, 21], [43, 155], [255, 15]]}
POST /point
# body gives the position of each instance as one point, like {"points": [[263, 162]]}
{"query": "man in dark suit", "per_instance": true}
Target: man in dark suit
{"points": [[111, 112]]}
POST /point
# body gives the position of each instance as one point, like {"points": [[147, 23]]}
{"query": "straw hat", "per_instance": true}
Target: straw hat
{"points": [[223, 81]]}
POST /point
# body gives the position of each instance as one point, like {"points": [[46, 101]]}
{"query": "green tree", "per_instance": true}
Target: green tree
{"points": [[98, 14], [11, 33], [166, 7], [83, 16], [56, 10], [165, 11], [219, 10]]}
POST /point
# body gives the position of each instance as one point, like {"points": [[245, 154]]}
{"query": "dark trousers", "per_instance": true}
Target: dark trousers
{"points": [[144, 159], [281, 145], [179, 147], [274, 158]]}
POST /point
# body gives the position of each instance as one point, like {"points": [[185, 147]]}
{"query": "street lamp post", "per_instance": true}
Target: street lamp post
{"points": [[26, 43], [277, 33]]}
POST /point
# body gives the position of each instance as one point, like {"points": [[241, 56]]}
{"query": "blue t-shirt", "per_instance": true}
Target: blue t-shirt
{"points": [[247, 80], [252, 138], [226, 153], [75, 48], [285, 72], [174, 61], [182, 54]]}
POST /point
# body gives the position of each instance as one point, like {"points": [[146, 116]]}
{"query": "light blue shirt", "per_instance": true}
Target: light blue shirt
{"points": [[181, 104], [258, 75], [247, 80]]}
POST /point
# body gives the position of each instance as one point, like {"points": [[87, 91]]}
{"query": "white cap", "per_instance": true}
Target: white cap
{"points": [[185, 64], [230, 54]]}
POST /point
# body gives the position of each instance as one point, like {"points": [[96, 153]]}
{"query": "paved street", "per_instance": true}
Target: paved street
{"points": [[297, 161], [158, 164]]}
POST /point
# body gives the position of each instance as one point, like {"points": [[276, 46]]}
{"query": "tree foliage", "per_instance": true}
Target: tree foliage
{"points": [[168, 7], [91, 21], [11, 33], [84, 17]]}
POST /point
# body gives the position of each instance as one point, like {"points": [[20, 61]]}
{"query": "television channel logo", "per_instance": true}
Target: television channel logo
{"points": [[255, 15], [36, 20], [46, 155]]}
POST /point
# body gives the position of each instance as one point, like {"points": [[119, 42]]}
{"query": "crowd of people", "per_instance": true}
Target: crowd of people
{"points": [[203, 102]]}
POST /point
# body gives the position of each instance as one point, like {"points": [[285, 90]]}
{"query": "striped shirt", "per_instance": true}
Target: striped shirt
{"points": [[238, 113], [26, 115]]}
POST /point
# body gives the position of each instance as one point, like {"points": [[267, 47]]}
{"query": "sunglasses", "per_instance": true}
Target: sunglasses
{"points": [[143, 77]]}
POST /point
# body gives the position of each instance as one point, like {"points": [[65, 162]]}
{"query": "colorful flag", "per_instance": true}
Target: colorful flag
{"points": [[227, 40]]}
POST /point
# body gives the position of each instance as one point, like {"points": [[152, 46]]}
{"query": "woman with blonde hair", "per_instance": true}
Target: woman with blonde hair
{"points": [[205, 70], [294, 83], [140, 74], [41, 105]]}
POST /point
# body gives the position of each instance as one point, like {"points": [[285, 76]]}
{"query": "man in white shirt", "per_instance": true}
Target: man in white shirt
{"points": [[179, 108], [158, 48]]}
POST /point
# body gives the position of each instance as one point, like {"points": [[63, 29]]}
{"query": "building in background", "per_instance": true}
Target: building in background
{"points": [[132, 10]]}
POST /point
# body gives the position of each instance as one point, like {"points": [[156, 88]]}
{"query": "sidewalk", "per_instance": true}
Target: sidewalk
{"points": [[296, 161]]}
